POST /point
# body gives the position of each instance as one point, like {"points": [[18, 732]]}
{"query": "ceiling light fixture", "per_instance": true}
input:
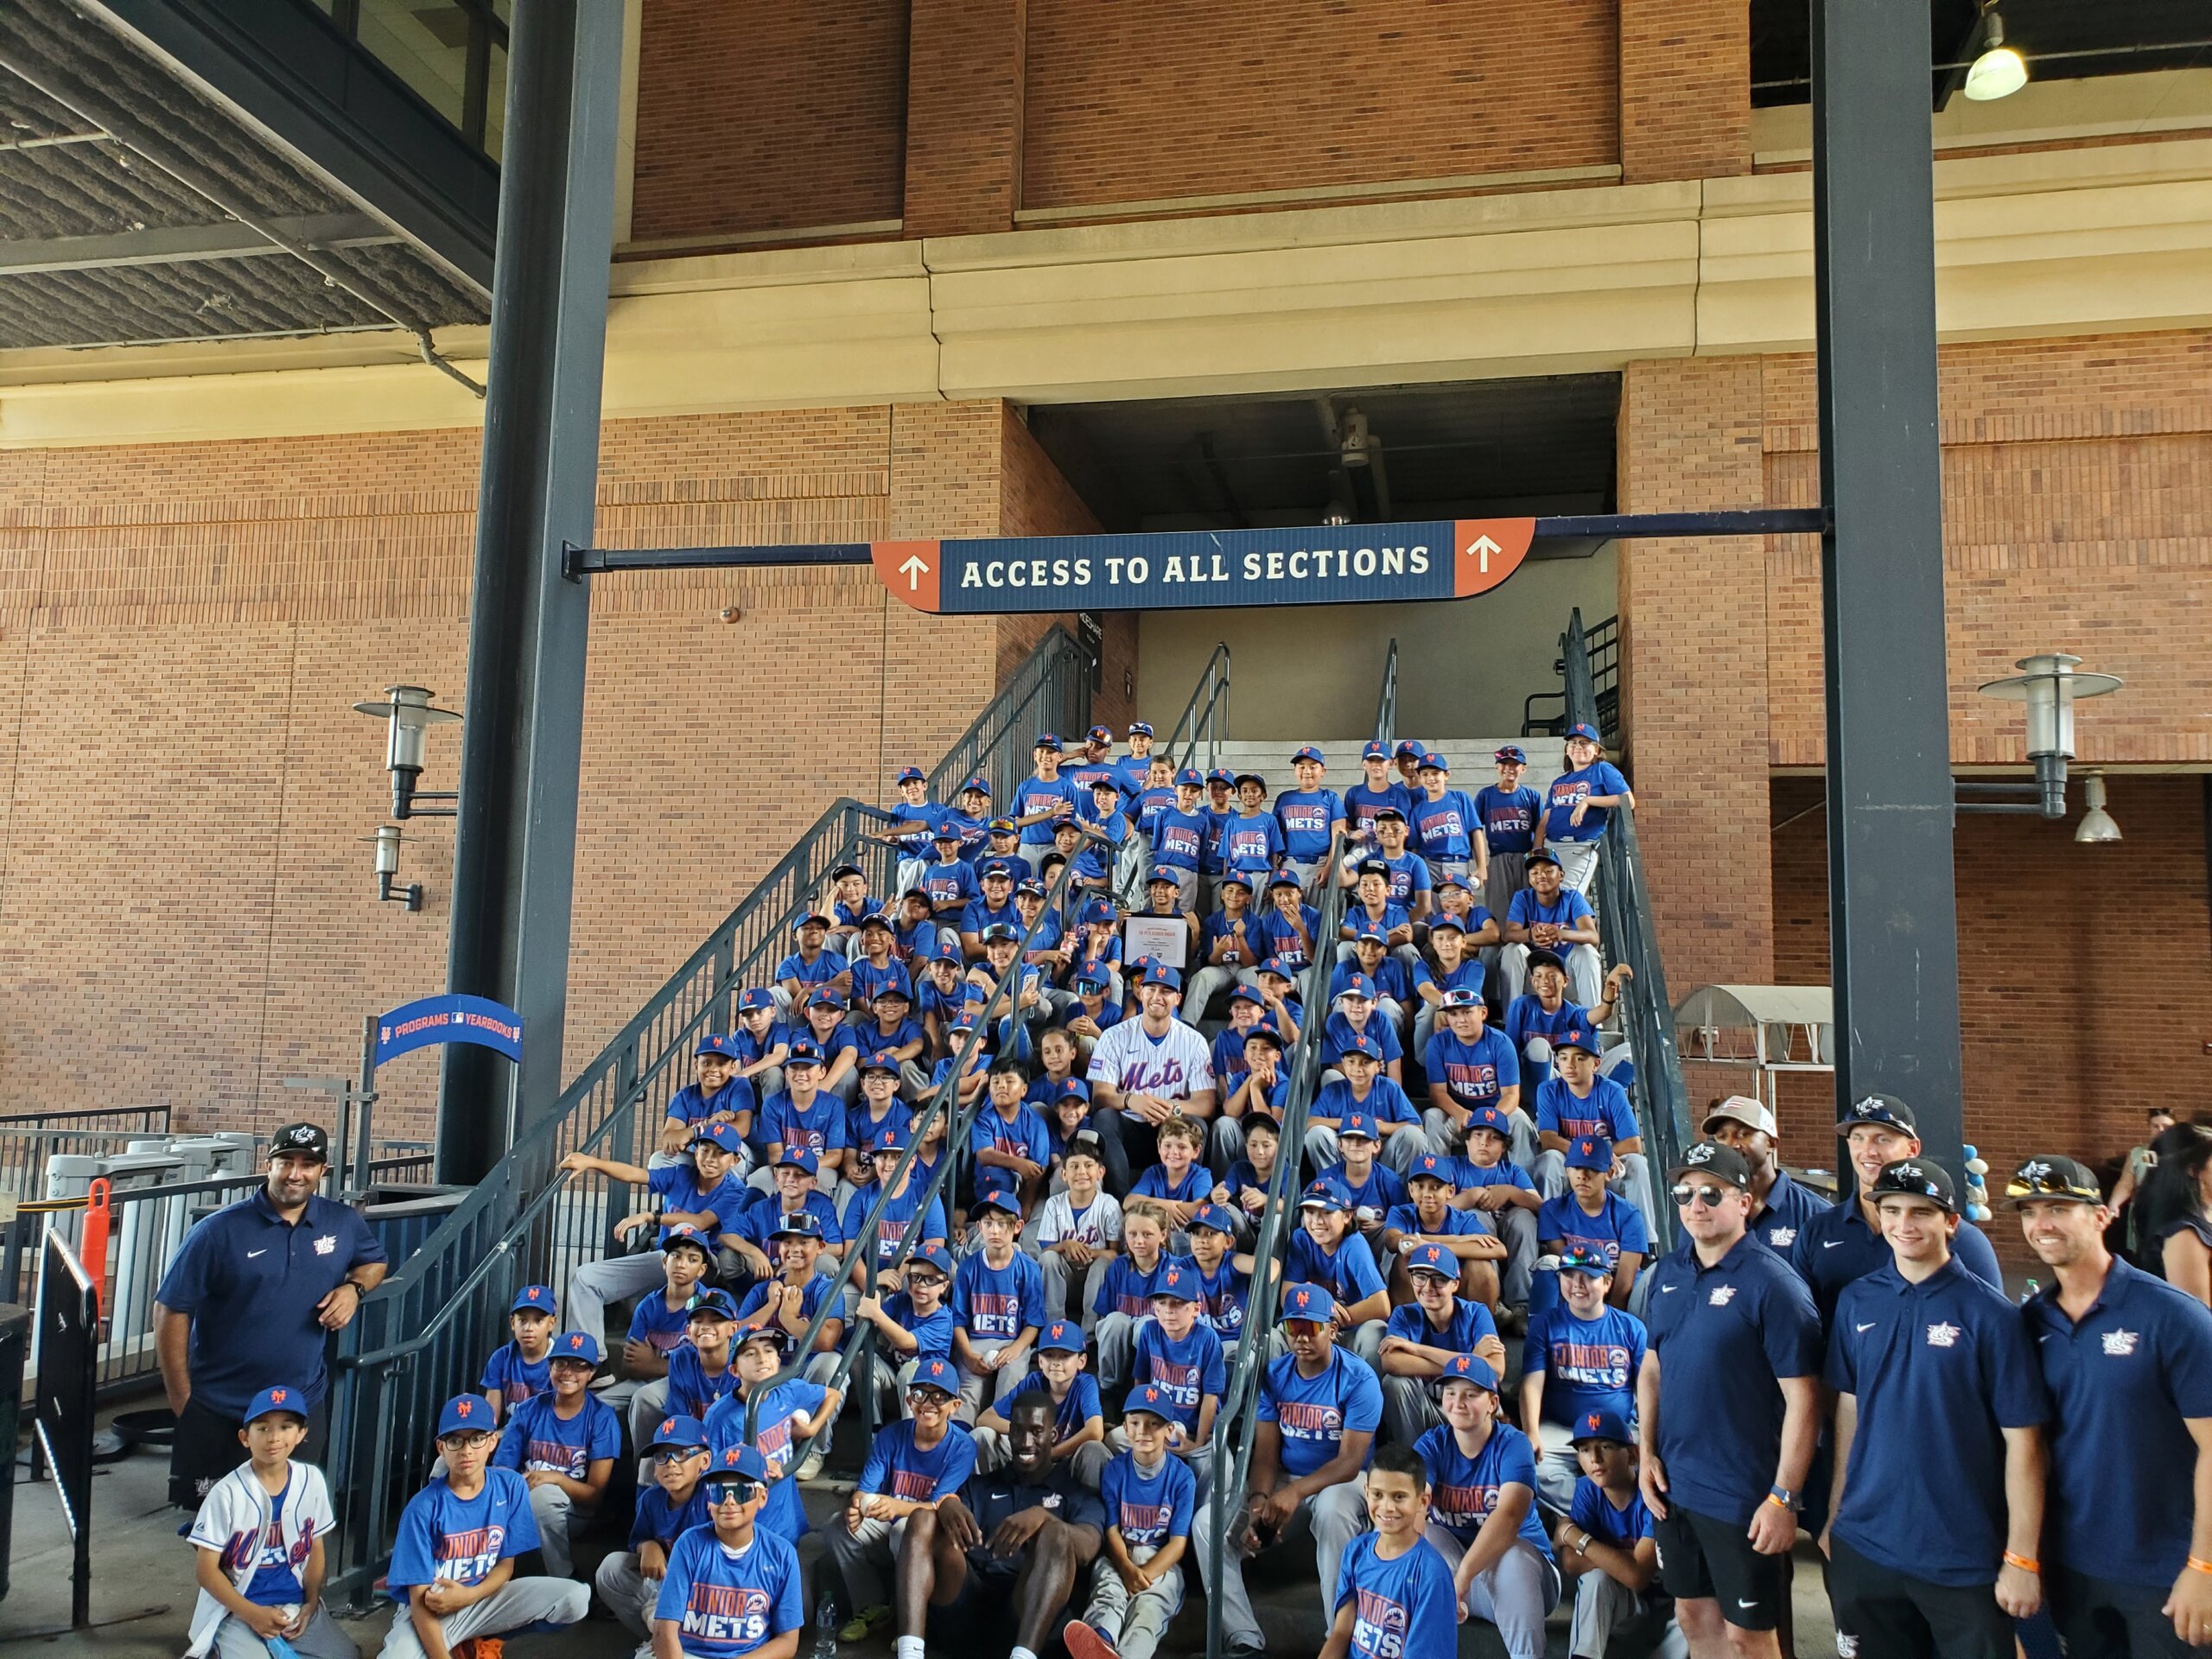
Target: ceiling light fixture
{"points": [[1999, 70]]}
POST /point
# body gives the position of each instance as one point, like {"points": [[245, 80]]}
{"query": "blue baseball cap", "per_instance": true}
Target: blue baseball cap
{"points": [[800, 1223], [1312, 1303], [1434, 1166], [1542, 856], [1363, 1044], [535, 1298], [1371, 936], [1283, 879], [1601, 1424], [685, 1433], [1382, 814], [1489, 1117], [1101, 734], [844, 870], [937, 1374], [1244, 778], [824, 997], [803, 1051], [578, 1345], [1433, 759], [812, 918], [1213, 1216], [1060, 1337], [1247, 993], [798, 1157], [934, 1256], [946, 831], [1461, 996], [280, 1399], [1219, 775], [1376, 750], [1469, 1367], [1310, 753], [1590, 1152], [890, 1138], [1583, 728], [713, 1305], [743, 1461], [1460, 882], [1434, 1259], [980, 784], [684, 1233], [1238, 879], [1358, 1123], [1029, 887], [1091, 982], [1190, 777], [1583, 1258], [1408, 745], [1003, 867], [913, 775], [1047, 740], [995, 1195], [1071, 1089], [463, 1413], [1095, 910], [1140, 728], [886, 1061], [1162, 873], [723, 1135], [1512, 754], [1159, 973], [947, 949], [1323, 1195], [752, 1000], [1000, 933], [1266, 1031], [1274, 965], [1151, 1400], [1176, 1286], [716, 1044], [1579, 1036], [1104, 780]]}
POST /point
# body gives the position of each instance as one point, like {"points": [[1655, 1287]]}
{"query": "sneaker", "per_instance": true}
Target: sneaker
{"points": [[811, 1466], [1086, 1641], [486, 1647], [863, 1623]]}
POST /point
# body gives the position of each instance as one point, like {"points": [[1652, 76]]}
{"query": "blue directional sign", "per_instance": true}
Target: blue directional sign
{"points": [[449, 1019], [1343, 564]]}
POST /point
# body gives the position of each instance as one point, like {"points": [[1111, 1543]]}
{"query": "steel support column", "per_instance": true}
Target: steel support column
{"points": [[1893, 903], [514, 851]]}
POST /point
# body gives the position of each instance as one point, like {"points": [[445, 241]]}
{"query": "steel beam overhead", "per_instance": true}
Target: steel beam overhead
{"points": [[1892, 899], [514, 835], [178, 245]]}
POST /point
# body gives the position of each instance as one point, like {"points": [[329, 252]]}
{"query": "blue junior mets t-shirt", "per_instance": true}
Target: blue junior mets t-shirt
{"points": [[1618, 1226], [1070, 1415], [444, 1535], [775, 1437], [514, 1377], [728, 1603], [1588, 1364], [996, 1304], [897, 1467], [536, 1437], [1464, 1490], [1148, 1508], [1402, 1609], [1315, 1413]]}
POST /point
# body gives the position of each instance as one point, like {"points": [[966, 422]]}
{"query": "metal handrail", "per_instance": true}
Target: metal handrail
{"points": [[435, 1316], [1625, 902], [1386, 699], [1050, 691], [1265, 1295], [1208, 724]]}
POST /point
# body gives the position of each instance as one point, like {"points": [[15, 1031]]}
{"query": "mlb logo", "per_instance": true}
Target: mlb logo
{"points": [[1722, 1295], [2120, 1344]]}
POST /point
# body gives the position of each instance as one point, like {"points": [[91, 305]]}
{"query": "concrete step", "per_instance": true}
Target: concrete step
{"points": [[1471, 765]]}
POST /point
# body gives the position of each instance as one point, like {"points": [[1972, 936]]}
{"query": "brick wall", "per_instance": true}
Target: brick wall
{"points": [[186, 913], [768, 116], [966, 69], [1685, 89], [2086, 997], [1163, 98]]}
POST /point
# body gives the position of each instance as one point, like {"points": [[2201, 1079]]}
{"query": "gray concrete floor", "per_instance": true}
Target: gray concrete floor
{"points": [[143, 1591]]}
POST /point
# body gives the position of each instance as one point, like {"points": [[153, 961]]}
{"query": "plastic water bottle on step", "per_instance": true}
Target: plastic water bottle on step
{"points": [[825, 1629]]}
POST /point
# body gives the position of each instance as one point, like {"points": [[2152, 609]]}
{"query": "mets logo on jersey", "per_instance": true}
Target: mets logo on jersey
{"points": [[735, 1613]]}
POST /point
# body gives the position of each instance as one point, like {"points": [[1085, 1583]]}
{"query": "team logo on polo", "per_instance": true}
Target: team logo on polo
{"points": [[1942, 1336], [2120, 1344], [1722, 1295], [326, 1244], [1781, 1238]]}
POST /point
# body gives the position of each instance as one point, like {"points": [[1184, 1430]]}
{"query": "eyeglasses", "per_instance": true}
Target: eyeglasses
{"points": [[468, 1442], [920, 1397], [732, 1491], [1684, 1194]]}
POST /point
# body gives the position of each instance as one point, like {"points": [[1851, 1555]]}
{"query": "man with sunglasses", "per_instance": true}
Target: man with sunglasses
{"points": [[1935, 1524], [1726, 1401], [2127, 1358], [734, 1589], [914, 1465], [991, 1567]]}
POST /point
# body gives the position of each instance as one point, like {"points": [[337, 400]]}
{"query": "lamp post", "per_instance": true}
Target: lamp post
{"points": [[409, 714], [2049, 687], [387, 845]]}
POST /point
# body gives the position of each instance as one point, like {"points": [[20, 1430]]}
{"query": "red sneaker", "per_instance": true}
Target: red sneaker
{"points": [[1087, 1641]]}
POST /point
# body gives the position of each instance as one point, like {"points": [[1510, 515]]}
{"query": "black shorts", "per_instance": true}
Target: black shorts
{"points": [[1703, 1559], [982, 1617], [206, 1447], [1882, 1614], [2096, 1617]]}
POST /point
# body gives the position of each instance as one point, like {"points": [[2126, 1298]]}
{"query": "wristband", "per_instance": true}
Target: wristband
{"points": [[2197, 1565], [2023, 1562]]}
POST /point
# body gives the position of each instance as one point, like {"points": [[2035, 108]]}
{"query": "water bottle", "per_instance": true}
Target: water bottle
{"points": [[277, 1646], [825, 1628], [2029, 1295]]}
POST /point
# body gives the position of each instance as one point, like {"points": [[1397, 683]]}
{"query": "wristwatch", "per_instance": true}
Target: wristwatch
{"points": [[1790, 1501]]}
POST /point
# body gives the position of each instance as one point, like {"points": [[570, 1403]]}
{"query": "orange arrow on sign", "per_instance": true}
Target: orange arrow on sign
{"points": [[1485, 551], [910, 570]]}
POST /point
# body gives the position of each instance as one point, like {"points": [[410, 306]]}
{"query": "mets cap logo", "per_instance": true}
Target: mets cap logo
{"points": [[1055, 1330], [729, 1457], [1428, 1162], [1588, 1146], [576, 1339], [464, 1408], [668, 1426], [1303, 1297], [1590, 1422], [277, 1396], [532, 1294], [1572, 1034], [934, 1371], [1151, 1397], [1174, 1278], [1457, 1366]]}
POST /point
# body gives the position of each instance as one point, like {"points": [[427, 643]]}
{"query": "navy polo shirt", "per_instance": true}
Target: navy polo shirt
{"points": [[2122, 1381], [1723, 1334], [1783, 1216], [1836, 1247], [1940, 1369], [251, 1282]]}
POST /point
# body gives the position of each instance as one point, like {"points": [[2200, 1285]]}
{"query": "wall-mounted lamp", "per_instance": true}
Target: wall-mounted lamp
{"points": [[386, 841], [2097, 825], [408, 711], [2049, 687]]}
